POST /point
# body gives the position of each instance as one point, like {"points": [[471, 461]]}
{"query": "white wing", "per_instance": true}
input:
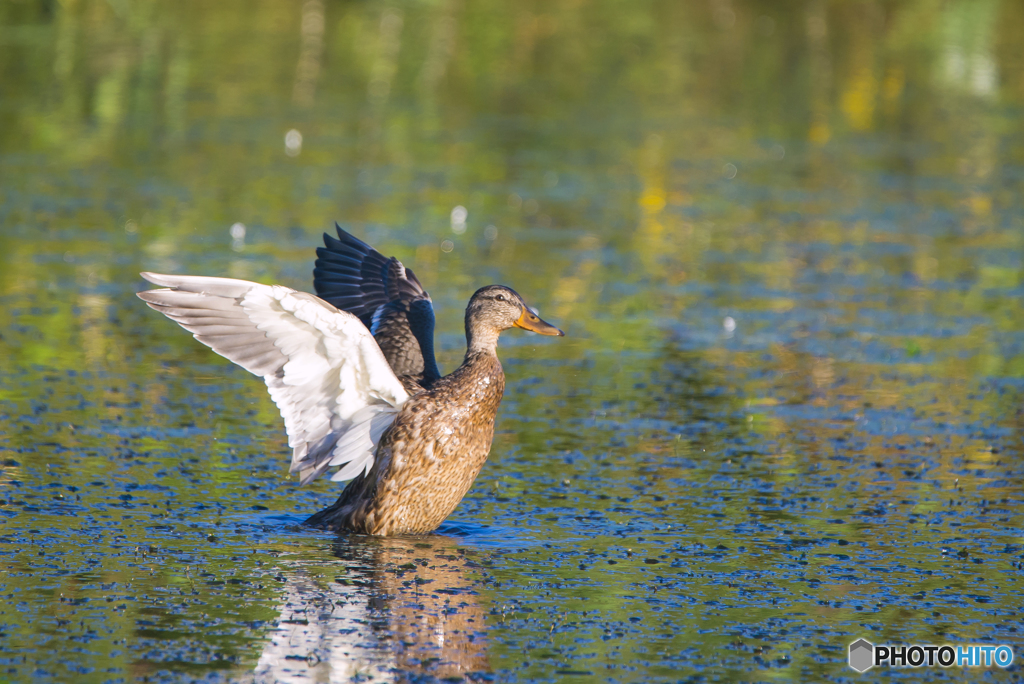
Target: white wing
{"points": [[325, 372]]}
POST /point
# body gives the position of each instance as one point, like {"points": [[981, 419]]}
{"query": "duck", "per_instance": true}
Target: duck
{"points": [[353, 372]]}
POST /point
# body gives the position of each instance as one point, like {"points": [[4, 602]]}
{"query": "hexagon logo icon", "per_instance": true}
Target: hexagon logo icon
{"points": [[862, 655]]}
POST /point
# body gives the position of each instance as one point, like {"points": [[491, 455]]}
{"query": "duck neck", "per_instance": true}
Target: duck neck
{"points": [[481, 339]]}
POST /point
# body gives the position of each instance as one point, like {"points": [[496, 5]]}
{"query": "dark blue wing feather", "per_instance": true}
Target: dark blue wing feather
{"points": [[387, 298]]}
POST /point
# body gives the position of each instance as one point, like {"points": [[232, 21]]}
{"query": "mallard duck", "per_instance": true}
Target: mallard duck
{"points": [[353, 372]]}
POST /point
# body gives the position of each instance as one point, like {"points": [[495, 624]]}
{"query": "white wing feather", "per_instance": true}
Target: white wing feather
{"points": [[336, 392]]}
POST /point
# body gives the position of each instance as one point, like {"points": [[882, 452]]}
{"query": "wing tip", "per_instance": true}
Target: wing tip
{"points": [[163, 279], [342, 233], [152, 297]]}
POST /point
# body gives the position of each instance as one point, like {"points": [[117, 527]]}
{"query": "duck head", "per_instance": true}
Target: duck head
{"points": [[495, 308]]}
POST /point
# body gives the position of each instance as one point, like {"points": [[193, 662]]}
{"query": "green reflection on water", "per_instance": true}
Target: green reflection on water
{"points": [[842, 180]]}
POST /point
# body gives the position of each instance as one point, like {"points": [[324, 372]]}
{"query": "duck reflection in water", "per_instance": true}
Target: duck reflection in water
{"points": [[392, 608]]}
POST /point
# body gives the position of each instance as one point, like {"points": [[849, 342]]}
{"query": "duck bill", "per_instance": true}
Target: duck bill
{"points": [[532, 322]]}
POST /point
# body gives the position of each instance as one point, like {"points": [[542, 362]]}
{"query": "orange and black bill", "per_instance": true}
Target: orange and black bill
{"points": [[531, 321]]}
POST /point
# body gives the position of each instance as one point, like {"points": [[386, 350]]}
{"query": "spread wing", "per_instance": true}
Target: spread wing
{"points": [[387, 298], [326, 374]]}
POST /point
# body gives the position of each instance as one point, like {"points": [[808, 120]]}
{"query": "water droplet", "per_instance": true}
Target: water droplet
{"points": [[292, 143], [459, 216], [724, 17], [237, 232]]}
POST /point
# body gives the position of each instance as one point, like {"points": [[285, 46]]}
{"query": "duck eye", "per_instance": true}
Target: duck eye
{"points": [[500, 297]]}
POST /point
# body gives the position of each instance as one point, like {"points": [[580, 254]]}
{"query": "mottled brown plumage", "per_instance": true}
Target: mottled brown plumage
{"points": [[431, 455]]}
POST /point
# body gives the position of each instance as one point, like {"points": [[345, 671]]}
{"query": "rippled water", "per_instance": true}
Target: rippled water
{"points": [[785, 245]]}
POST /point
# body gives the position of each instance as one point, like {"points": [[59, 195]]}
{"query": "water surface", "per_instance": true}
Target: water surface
{"points": [[785, 244]]}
